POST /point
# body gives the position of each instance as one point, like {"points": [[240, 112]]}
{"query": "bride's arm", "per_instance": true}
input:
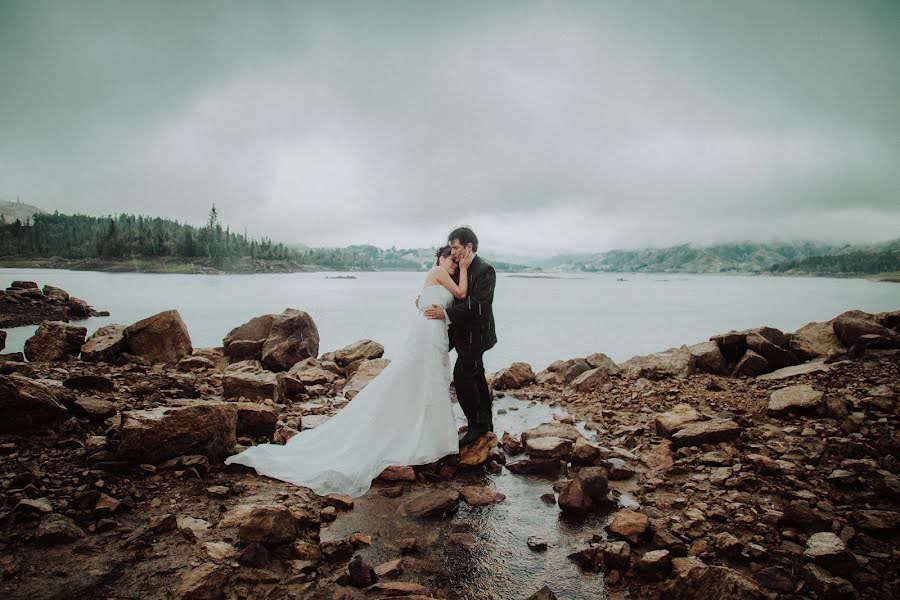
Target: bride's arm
{"points": [[459, 291]]}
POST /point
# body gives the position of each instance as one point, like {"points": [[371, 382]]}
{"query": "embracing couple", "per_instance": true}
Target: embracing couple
{"points": [[405, 416]]}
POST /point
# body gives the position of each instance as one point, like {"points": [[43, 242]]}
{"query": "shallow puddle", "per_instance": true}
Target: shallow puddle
{"points": [[500, 565]]}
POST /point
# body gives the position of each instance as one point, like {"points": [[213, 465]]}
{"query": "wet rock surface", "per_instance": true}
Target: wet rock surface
{"points": [[663, 479]]}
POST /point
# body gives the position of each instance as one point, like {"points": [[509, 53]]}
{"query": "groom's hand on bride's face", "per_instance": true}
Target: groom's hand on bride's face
{"points": [[435, 312]]}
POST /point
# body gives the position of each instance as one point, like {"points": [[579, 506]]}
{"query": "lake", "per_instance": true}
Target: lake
{"points": [[539, 319]]}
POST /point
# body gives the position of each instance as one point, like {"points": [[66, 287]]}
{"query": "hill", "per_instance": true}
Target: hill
{"points": [[12, 210]]}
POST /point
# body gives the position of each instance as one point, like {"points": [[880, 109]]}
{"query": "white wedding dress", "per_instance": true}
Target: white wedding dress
{"points": [[402, 417]]}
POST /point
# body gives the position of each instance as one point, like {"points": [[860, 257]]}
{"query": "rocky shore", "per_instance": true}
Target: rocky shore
{"points": [[25, 303], [758, 464]]}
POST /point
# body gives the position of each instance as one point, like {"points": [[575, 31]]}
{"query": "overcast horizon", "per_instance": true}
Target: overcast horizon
{"points": [[549, 127]]}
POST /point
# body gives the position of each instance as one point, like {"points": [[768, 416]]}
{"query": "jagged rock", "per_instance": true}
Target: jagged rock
{"points": [[775, 355], [78, 308], [96, 409], [573, 499], [2, 339], [479, 495], [590, 559], [104, 345], [434, 503], [548, 447], [248, 379], [752, 364], [398, 473], [389, 569], [313, 376], [57, 529], [25, 403], [241, 350], [478, 452], [671, 421], [361, 573], [293, 337], [288, 388], [55, 294], [706, 432], [674, 362], [268, 524], [629, 524], [510, 444], [816, 366], [706, 357], [256, 329], [195, 363], [655, 565], [545, 593], [255, 420], [814, 340], [713, 583], [55, 340], [583, 452], [682, 565], [795, 397], [825, 585], [598, 360], [552, 429], [161, 338], [553, 374], [849, 328], [361, 350], [574, 369], [202, 583], [151, 436], [365, 373], [38, 506], [591, 380], [515, 376], [828, 550]]}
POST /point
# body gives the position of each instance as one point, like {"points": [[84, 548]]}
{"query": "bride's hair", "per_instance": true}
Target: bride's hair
{"points": [[442, 252]]}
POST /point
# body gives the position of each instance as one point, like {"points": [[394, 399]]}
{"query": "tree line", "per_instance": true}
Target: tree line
{"points": [[127, 236]]}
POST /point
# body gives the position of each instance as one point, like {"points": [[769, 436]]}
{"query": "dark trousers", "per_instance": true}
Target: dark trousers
{"points": [[472, 388]]}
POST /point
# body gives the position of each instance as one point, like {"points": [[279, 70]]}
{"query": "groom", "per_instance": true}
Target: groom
{"points": [[472, 334]]}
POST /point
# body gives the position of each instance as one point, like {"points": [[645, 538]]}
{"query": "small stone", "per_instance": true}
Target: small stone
{"points": [[537, 544], [629, 524], [58, 529], [361, 573], [655, 565], [389, 569]]}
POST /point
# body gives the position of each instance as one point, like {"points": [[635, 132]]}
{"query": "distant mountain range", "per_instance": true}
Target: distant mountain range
{"points": [[742, 257]]}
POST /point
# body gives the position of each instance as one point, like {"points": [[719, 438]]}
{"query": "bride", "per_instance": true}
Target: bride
{"points": [[403, 417]]}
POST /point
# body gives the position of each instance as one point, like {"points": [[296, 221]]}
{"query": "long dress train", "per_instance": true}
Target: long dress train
{"points": [[402, 417]]}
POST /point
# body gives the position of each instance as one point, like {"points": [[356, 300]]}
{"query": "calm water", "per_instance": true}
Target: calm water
{"points": [[538, 320]]}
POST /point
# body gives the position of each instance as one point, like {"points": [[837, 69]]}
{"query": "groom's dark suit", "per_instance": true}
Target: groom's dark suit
{"points": [[472, 334]]}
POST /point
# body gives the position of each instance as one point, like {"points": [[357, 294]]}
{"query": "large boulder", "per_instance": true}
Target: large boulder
{"points": [[162, 338], [293, 337], [849, 327], [25, 403], [752, 364], [256, 329], [365, 373], [248, 379], [105, 344], [598, 360], [255, 420], [674, 362], [553, 429], [516, 375], [361, 350], [706, 357], [55, 294], [775, 355], [814, 340], [55, 340], [154, 435]]}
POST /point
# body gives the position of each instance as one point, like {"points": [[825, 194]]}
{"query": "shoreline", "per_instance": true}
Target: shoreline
{"points": [[161, 267]]}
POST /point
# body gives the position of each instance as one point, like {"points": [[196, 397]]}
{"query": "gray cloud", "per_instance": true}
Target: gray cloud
{"points": [[548, 126]]}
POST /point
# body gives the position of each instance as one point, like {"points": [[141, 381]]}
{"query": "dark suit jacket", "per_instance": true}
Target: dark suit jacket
{"points": [[472, 319]]}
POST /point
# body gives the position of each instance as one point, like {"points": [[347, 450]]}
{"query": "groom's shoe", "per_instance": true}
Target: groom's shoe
{"points": [[469, 437]]}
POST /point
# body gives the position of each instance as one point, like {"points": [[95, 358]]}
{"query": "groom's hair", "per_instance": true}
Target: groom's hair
{"points": [[465, 236], [442, 252]]}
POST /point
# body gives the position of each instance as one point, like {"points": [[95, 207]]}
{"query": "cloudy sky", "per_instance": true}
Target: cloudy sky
{"points": [[547, 126]]}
